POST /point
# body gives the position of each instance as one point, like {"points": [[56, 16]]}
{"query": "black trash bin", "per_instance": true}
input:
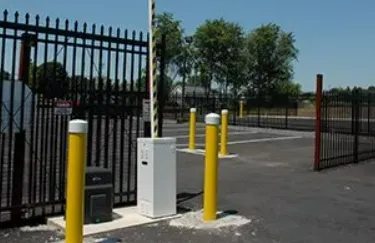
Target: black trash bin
{"points": [[98, 195]]}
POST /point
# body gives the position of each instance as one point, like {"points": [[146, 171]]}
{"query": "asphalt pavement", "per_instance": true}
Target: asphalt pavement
{"points": [[272, 183], [335, 125]]}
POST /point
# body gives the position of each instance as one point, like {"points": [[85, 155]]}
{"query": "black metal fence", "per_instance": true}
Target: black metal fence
{"points": [[99, 70], [347, 132], [280, 112], [204, 105]]}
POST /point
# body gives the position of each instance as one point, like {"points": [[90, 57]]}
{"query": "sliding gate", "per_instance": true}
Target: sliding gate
{"points": [[345, 128]]}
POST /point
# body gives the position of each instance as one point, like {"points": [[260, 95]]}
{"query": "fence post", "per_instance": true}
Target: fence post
{"points": [[224, 133], [286, 116], [213, 104], [287, 111], [76, 180], [318, 123], [20, 136], [192, 129], [368, 113], [211, 167], [357, 100], [161, 95], [147, 122], [18, 174], [258, 109], [195, 100], [233, 106], [353, 112], [177, 107]]}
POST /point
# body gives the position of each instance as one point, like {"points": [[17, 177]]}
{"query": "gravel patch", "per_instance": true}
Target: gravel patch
{"points": [[34, 234], [38, 228]]}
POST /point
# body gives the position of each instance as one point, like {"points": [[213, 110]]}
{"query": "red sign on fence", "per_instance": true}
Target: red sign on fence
{"points": [[63, 108]]}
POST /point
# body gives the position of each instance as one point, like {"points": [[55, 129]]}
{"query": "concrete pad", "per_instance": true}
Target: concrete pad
{"points": [[228, 156], [192, 151], [194, 220], [203, 152], [124, 218]]}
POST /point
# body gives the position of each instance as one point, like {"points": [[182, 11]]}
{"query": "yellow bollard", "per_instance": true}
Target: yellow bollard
{"points": [[224, 133], [211, 167], [241, 108], [192, 129], [76, 181]]}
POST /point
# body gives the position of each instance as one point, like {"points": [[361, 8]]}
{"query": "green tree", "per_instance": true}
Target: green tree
{"points": [[236, 76], [289, 88], [270, 53], [195, 80], [51, 79], [185, 61], [371, 89], [5, 74], [218, 46], [288, 91], [140, 83], [166, 24], [79, 83], [232, 62]]}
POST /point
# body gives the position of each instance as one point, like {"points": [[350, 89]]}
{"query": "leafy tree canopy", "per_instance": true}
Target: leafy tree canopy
{"points": [[51, 79], [270, 53], [219, 46]]}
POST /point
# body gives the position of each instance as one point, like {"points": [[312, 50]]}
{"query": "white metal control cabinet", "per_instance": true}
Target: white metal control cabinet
{"points": [[156, 175]]}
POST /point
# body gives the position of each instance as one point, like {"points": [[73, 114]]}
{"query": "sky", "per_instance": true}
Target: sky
{"points": [[334, 37]]}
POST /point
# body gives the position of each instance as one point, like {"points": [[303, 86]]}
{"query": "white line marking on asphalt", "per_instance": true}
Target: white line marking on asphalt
{"points": [[175, 130], [203, 135], [181, 129], [258, 140], [203, 152], [194, 151]]}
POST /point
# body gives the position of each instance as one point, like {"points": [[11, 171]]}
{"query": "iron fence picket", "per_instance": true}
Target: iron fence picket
{"points": [[345, 138], [112, 107], [280, 112]]}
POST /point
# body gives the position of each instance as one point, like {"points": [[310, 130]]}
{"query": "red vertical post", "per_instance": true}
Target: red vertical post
{"points": [[24, 64], [318, 102], [20, 136], [21, 66]]}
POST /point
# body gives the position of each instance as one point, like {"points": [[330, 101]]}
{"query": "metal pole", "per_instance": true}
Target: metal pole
{"points": [[147, 121], [183, 86], [20, 136], [161, 89], [224, 133], [192, 130], [318, 114], [241, 108], [211, 167], [153, 70], [76, 181]]}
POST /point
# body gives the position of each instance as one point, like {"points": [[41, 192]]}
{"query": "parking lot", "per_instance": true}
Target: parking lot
{"points": [[236, 134], [272, 183]]}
